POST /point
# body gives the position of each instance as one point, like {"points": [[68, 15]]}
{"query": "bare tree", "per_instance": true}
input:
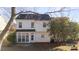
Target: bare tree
{"points": [[57, 11], [6, 29], [3, 33]]}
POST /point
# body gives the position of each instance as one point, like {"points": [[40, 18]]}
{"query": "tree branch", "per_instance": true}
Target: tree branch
{"points": [[27, 12]]}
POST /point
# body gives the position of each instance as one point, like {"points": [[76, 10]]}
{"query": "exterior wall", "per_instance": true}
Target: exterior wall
{"points": [[29, 33], [39, 30], [26, 24], [39, 26], [37, 37]]}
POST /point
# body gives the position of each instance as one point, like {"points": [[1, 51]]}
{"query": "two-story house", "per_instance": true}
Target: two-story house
{"points": [[32, 28]]}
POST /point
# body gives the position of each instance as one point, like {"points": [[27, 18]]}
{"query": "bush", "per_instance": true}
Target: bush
{"points": [[12, 38]]}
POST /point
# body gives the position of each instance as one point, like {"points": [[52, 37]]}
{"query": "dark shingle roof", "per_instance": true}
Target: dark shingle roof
{"points": [[34, 16]]}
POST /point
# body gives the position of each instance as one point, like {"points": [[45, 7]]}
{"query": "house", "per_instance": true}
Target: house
{"points": [[32, 28], [2, 23]]}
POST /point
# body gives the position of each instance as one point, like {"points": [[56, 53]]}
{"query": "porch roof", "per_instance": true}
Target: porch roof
{"points": [[25, 30]]}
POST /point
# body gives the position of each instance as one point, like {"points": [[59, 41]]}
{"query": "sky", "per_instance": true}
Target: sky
{"points": [[71, 12]]}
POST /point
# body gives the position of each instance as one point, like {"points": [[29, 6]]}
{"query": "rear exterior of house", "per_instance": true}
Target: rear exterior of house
{"points": [[32, 28]]}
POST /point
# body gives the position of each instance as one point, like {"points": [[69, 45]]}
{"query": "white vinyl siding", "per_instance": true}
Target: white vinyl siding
{"points": [[40, 34]]}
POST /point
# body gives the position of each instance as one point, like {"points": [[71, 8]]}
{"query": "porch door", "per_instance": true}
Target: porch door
{"points": [[27, 38]]}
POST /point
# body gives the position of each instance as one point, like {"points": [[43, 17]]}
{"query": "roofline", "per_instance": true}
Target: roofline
{"points": [[34, 19]]}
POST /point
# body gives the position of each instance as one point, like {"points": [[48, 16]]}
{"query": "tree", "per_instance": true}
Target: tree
{"points": [[6, 29], [8, 24], [60, 28], [74, 30], [57, 27]]}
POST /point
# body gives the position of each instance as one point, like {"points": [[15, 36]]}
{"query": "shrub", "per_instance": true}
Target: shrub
{"points": [[12, 37]]}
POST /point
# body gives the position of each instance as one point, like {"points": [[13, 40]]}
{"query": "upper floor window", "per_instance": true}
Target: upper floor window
{"points": [[44, 24], [42, 36], [20, 24], [32, 25]]}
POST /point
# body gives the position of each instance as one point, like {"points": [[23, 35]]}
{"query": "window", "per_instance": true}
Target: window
{"points": [[44, 24], [32, 25], [26, 16], [27, 37], [20, 24], [23, 37], [32, 37], [19, 37], [42, 36]]}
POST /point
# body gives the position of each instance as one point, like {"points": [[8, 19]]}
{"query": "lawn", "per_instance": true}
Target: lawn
{"points": [[39, 47], [61, 48]]}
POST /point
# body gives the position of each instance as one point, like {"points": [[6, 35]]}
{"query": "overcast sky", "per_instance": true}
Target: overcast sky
{"points": [[72, 12]]}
